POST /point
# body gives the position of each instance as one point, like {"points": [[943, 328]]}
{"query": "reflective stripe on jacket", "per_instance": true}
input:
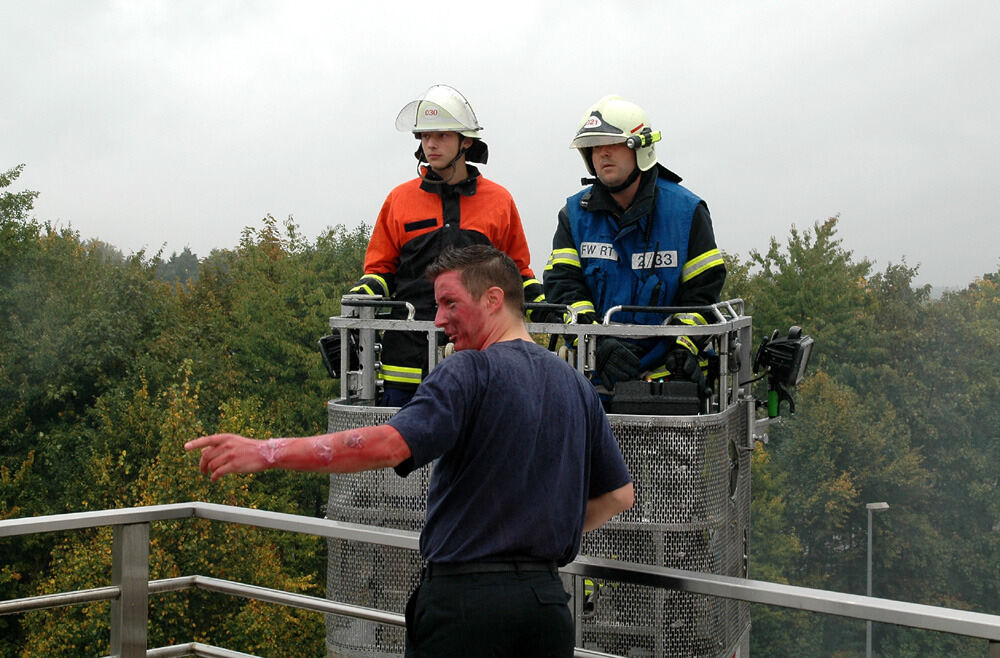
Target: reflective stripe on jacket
{"points": [[638, 264], [417, 222]]}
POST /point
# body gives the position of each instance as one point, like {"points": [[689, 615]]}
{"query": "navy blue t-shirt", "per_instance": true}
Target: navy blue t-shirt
{"points": [[522, 443]]}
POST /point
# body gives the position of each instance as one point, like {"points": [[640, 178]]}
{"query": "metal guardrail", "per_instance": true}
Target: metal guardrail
{"points": [[131, 587], [729, 334]]}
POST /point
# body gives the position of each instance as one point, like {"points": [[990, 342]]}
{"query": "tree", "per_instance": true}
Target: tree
{"points": [[74, 325], [105, 368], [244, 337], [74, 319], [851, 441], [14, 206], [775, 550], [814, 283], [18, 232], [179, 268], [254, 318], [181, 548], [956, 411]]}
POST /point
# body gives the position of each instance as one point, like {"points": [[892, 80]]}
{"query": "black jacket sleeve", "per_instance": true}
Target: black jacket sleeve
{"points": [[563, 277]]}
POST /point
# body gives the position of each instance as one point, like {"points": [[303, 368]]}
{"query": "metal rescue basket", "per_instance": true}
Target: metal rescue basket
{"points": [[692, 505]]}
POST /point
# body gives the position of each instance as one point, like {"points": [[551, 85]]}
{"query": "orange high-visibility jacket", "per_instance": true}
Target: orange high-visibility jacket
{"points": [[417, 221]]}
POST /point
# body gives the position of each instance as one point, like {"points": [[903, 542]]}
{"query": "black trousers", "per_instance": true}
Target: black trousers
{"points": [[515, 614]]}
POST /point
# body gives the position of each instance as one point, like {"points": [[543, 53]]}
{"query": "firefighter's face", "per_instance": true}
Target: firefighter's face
{"points": [[440, 148], [613, 163], [463, 318]]}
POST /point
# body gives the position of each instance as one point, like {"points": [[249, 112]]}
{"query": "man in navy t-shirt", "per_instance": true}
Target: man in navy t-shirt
{"points": [[526, 462]]}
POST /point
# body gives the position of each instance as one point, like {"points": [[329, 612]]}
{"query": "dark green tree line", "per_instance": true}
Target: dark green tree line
{"points": [[900, 406], [108, 362]]}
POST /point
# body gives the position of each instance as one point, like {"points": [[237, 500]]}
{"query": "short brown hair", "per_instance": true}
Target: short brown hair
{"points": [[482, 266]]}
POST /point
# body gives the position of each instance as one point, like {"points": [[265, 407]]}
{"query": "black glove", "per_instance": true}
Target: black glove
{"points": [[684, 366], [615, 362], [545, 315], [554, 316]]}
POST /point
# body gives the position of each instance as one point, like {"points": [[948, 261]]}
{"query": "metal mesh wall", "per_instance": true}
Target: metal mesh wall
{"points": [[692, 511], [368, 574]]}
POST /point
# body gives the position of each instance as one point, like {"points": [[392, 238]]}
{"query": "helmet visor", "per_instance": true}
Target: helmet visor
{"points": [[427, 116], [588, 140]]}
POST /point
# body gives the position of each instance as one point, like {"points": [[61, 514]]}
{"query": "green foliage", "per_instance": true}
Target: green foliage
{"points": [[109, 362], [179, 268], [14, 206], [813, 282], [253, 319], [74, 325], [179, 548], [900, 405]]}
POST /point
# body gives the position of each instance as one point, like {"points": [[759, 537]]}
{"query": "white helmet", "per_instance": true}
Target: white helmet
{"points": [[614, 120], [443, 109]]}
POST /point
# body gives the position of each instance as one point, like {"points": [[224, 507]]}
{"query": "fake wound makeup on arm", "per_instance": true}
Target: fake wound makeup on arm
{"points": [[324, 448], [271, 450]]}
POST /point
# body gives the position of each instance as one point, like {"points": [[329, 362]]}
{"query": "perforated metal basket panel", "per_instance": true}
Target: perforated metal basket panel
{"points": [[692, 512], [367, 574]]}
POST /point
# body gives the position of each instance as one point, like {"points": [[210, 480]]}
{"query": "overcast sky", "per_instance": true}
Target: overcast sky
{"points": [[177, 123]]}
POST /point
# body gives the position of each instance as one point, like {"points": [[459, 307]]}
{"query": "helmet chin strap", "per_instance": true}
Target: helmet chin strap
{"points": [[449, 166], [621, 186], [631, 178]]}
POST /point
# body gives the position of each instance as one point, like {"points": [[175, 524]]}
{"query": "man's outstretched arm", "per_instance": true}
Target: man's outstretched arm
{"points": [[362, 449]]}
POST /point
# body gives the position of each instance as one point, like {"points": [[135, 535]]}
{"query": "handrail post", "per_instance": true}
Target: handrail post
{"points": [[130, 573], [994, 649]]}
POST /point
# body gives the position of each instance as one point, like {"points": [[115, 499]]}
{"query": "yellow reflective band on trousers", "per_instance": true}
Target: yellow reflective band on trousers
{"points": [[566, 256], [401, 374], [698, 264]]}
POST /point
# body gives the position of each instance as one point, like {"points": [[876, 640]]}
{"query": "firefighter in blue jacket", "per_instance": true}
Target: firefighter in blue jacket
{"points": [[634, 237]]}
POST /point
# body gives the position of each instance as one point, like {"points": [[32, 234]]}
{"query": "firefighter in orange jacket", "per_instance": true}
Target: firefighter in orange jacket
{"points": [[449, 204]]}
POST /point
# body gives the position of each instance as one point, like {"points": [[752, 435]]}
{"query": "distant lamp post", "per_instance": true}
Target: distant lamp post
{"points": [[871, 507]]}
